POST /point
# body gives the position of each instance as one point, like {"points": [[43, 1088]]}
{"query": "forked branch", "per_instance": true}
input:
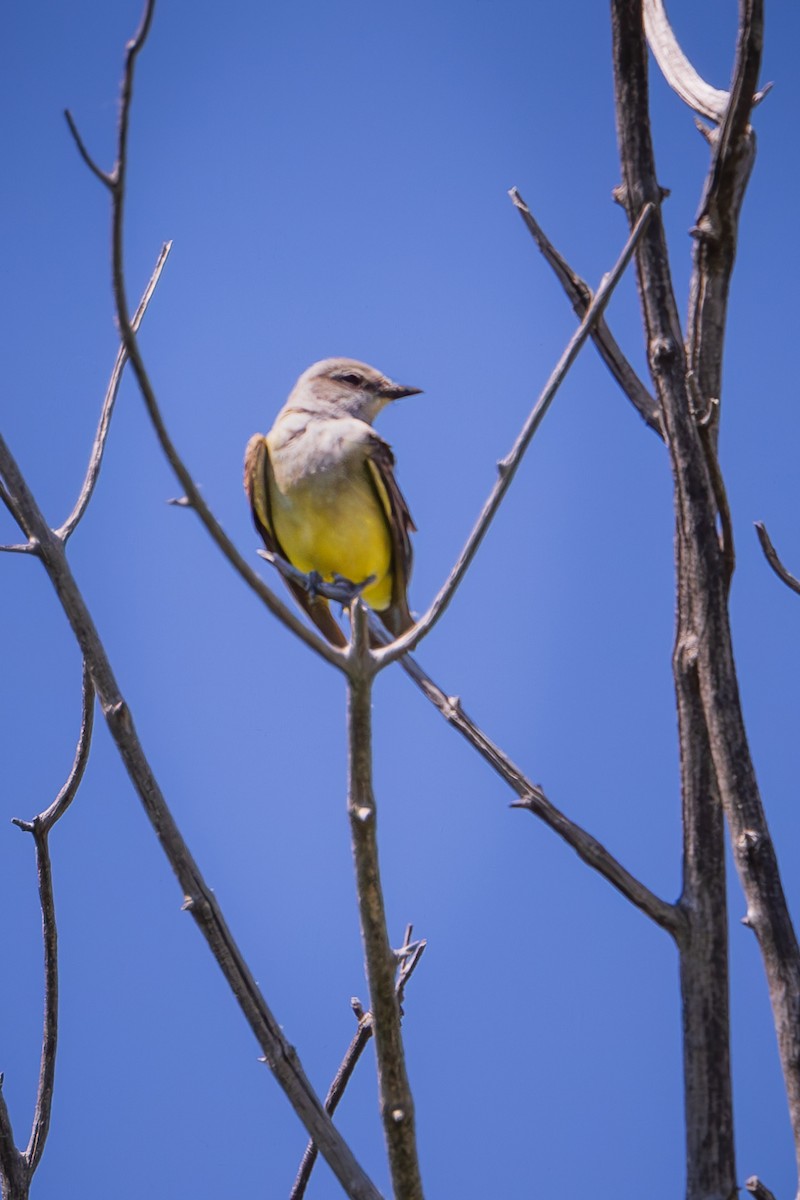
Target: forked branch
{"points": [[17, 1168], [580, 295], [507, 467], [408, 957]]}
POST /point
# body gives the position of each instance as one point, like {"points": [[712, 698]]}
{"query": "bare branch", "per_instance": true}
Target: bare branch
{"points": [[396, 1103], [47, 1065], [101, 437], [532, 798], [774, 561], [507, 467], [757, 1189], [358, 1045], [199, 898], [704, 665], [106, 179], [716, 226], [580, 295], [679, 73], [47, 819], [408, 957], [40, 827], [117, 186], [13, 1174]]}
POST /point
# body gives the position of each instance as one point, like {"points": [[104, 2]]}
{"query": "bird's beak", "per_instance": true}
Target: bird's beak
{"points": [[396, 391]]}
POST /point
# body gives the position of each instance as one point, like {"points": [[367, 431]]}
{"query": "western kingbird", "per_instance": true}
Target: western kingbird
{"points": [[322, 490]]}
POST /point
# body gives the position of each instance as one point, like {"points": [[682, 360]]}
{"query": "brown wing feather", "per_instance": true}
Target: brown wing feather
{"points": [[256, 485], [380, 462]]}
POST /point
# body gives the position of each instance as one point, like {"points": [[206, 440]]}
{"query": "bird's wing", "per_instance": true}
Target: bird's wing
{"points": [[380, 464], [256, 485]]}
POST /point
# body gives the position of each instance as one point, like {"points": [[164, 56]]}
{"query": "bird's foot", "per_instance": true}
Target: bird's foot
{"points": [[347, 590]]}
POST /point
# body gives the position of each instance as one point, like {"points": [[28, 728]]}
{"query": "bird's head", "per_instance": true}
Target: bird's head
{"points": [[346, 387]]}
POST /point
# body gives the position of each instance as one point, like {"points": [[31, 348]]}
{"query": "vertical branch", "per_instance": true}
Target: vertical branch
{"points": [[47, 1067], [13, 1175], [704, 974], [396, 1103], [711, 1167], [407, 957], [716, 227]]}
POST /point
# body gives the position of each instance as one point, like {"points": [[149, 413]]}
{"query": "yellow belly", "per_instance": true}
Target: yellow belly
{"points": [[336, 527]]}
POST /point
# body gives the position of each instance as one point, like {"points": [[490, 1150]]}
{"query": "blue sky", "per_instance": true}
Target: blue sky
{"points": [[334, 177]]}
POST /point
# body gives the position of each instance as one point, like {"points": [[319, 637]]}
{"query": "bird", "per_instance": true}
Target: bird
{"points": [[323, 493]]}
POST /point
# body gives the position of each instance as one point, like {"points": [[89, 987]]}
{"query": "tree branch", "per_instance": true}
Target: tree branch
{"points": [[17, 1169], [13, 1174], [701, 567], [407, 957], [199, 899], [396, 1102], [757, 1189], [507, 467], [116, 182], [771, 555], [715, 230], [679, 73], [40, 827], [580, 294], [703, 643], [533, 799], [101, 437]]}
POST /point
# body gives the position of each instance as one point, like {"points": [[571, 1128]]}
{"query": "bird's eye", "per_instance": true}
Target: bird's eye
{"points": [[351, 378]]}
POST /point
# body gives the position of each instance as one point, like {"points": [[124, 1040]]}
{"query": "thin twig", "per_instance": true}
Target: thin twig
{"points": [[580, 294], [47, 1064], [408, 957], [103, 176], [771, 555], [531, 797], [396, 1103], [507, 467], [101, 437], [757, 1189], [40, 826], [48, 818]]}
